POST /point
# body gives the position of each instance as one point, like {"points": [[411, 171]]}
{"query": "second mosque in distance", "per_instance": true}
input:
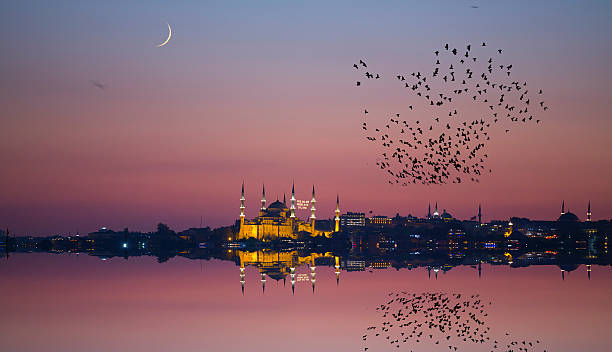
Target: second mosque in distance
{"points": [[278, 221]]}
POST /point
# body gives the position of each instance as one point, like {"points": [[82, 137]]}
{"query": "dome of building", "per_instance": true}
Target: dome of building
{"points": [[446, 215], [277, 205], [568, 267], [568, 217]]}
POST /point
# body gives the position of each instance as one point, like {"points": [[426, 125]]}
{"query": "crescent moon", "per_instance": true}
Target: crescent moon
{"points": [[167, 39]]}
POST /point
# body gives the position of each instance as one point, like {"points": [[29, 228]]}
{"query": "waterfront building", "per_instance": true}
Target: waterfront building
{"points": [[352, 219], [279, 221]]}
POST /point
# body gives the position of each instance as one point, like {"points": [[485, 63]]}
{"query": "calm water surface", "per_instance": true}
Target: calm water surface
{"points": [[81, 303]]}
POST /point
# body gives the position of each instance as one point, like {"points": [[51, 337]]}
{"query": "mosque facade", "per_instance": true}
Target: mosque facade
{"points": [[279, 221]]}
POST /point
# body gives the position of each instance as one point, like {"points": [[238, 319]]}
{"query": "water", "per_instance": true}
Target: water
{"points": [[70, 302]]}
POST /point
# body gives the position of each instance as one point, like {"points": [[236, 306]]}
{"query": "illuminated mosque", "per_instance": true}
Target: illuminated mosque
{"points": [[278, 221]]}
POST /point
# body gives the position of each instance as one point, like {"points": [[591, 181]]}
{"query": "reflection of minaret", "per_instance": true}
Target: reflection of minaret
{"points": [[337, 266], [242, 206], [312, 274], [292, 274], [436, 271], [429, 272], [589, 212], [312, 210], [292, 201], [479, 214], [263, 282], [479, 269], [242, 275], [429, 211], [589, 271], [563, 207], [263, 197], [562, 274], [337, 218]]}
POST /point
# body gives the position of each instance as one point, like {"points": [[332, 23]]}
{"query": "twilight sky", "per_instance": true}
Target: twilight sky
{"points": [[264, 91]]}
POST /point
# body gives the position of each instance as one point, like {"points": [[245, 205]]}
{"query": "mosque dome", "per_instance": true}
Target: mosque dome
{"points": [[277, 205], [569, 267], [568, 217], [445, 215]]}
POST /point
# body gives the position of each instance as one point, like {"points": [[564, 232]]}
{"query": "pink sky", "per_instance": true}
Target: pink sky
{"points": [[234, 97]]}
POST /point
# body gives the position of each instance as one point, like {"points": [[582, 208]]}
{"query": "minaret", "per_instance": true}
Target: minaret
{"points": [[312, 210], [589, 212], [337, 266], [563, 207], [263, 197], [292, 200], [429, 211], [337, 218], [479, 214], [436, 214], [242, 206], [312, 274]]}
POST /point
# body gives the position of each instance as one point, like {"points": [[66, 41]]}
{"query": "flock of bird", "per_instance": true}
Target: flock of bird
{"points": [[439, 321], [432, 142]]}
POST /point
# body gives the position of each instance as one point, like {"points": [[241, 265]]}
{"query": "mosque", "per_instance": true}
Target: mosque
{"points": [[278, 221], [445, 216]]}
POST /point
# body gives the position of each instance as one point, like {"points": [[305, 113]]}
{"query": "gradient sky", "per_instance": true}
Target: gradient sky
{"points": [[264, 92]]}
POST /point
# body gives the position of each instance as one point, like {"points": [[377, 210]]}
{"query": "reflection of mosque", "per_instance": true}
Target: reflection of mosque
{"points": [[283, 265], [279, 265], [279, 221]]}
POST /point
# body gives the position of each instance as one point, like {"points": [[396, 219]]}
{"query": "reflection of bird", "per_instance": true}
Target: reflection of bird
{"points": [[434, 318], [98, 84], [452, 149]]}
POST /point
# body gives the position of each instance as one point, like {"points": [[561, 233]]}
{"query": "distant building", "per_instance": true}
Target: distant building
{"points": [[353, 219], [354, 265], [380, 220], [445, 216], [380, 264], [103, 233]]}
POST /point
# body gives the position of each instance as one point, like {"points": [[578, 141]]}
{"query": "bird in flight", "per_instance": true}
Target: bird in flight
{"points": [[442, 150], [98, 84]]}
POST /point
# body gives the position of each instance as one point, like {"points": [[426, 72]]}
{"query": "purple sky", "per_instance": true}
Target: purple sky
{"points": [[265, 93]]}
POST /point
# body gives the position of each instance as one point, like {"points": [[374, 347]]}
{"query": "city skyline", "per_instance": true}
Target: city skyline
{"points": [[249, 210]]}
